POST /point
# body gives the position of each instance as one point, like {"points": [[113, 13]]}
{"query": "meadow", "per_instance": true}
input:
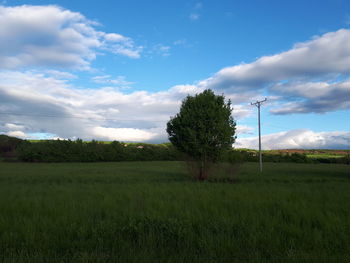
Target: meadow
{"points": [[155, 212]]}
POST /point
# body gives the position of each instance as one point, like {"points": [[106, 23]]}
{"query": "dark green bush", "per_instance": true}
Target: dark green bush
{"points": [[8, 143], [235, 157], [12, 149], [8, 146], [79, 151], [345, 159]]}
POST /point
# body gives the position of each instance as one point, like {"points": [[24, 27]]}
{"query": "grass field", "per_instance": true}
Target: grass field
{"points": [[153, 212]]}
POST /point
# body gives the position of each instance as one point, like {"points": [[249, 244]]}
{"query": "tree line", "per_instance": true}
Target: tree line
{"points": [[15, 149]]}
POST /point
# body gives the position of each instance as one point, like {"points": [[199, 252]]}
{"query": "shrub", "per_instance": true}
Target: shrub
{"points": [[94, 151]]}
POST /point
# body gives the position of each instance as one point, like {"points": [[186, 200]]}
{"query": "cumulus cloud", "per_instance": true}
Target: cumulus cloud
{"points": [[244, 129], [35, 103], [123, 134], [38, 102], [120, 45], [311, 77], [324, 57], [50, 36], [18, 134], [60, 74], [298, 139], [12, 126], [329, 53], [317, 97]]}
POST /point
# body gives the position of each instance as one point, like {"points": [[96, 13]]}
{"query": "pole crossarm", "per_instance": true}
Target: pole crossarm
{"points": [[258, 105]]}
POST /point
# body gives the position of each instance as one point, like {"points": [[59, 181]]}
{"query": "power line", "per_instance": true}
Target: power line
{"points": [[258, 105]]}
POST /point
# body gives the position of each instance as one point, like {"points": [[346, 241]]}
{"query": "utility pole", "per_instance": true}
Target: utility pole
{"points": [[258, 104]]}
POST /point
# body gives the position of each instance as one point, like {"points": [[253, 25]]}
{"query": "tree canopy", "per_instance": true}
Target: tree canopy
{"points": [[203, 128]]}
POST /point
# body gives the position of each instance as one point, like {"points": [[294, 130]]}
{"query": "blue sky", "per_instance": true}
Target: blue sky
{"points": [[117, 70]]}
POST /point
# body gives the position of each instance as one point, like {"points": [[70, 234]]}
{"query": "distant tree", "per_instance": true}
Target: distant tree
{"points": [[8, 143], [203, 129]]}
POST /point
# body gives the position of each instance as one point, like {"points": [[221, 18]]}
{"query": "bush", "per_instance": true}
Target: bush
{"points": [[234, 157], [8, 143], [13, 149], [79, 151], [8, 146]]}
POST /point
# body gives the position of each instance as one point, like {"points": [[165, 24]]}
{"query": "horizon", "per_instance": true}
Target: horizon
{"points": [[119, 70], [168, 142]]}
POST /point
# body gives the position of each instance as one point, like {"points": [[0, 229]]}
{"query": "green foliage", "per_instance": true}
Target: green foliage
{"points": [[8, 146], [278, 157], [152, 212], [203, 129], [14, 149], [234, 157], [345, 159], [8, 143], [79, 151]]}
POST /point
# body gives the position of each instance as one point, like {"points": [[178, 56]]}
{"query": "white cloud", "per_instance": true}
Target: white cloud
{"points": [[244, 129], [311, 77], [107, 79], [113, 37], [183, 42], [123, 134], [125, 48], [196, 10], [159, 50], [313, 97], [13, 126], [180, 42], [50, 36], [44, 104], [298, 139], [162, 50], [329, 53], [60, 74], [18, 134], [325, 58]]}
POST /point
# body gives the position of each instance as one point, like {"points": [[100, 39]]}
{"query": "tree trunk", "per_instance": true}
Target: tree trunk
{"points": [[203, 170]]}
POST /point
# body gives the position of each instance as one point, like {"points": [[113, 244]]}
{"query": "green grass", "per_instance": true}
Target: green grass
{"points": [[153, 212]]}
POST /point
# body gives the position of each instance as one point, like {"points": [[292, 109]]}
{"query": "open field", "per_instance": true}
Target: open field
{"points": [[153, 212]]}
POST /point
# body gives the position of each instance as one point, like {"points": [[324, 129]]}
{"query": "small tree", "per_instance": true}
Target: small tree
{"points": [[203, 129]]}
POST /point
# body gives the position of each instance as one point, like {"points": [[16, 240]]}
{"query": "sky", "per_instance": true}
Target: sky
{"points": [[118, 70]]}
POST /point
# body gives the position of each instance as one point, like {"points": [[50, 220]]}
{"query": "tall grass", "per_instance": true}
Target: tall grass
{"points": [[154, 212]]}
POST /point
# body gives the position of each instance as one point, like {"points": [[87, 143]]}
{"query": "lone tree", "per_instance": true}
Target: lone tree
{"points": [[203, 129]]}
